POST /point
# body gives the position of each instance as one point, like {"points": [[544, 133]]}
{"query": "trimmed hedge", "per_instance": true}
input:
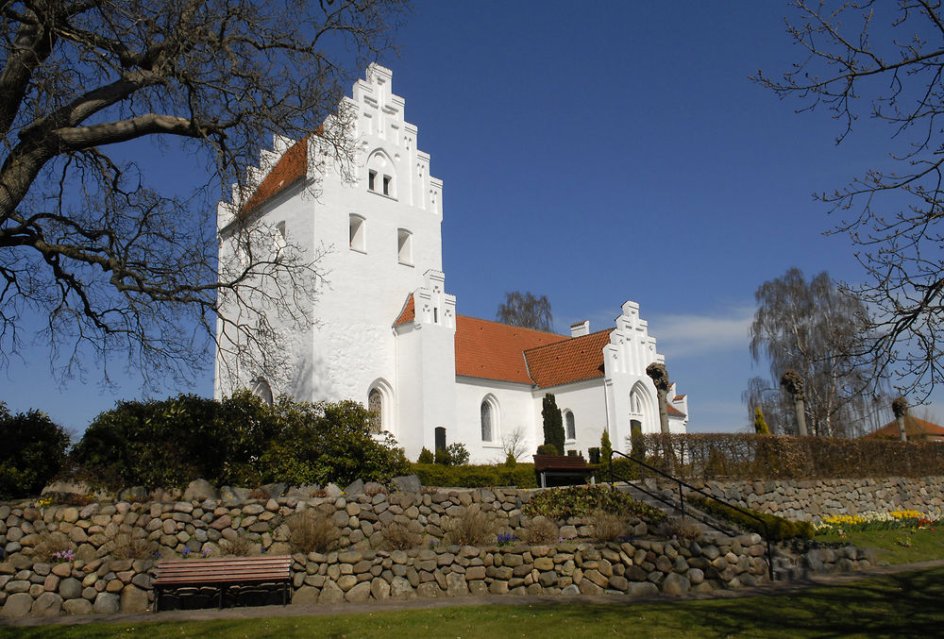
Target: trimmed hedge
{"points": [[778, 528], [759, 457], [475, 476]]}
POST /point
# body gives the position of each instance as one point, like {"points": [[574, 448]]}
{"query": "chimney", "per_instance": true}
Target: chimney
{"points": [[580, 329]]}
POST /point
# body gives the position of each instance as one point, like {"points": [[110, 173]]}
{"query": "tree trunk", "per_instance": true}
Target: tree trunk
{"points": [[801, 416]]}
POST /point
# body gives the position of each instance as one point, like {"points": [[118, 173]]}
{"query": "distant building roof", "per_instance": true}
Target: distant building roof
{"points": [[915, 428]]}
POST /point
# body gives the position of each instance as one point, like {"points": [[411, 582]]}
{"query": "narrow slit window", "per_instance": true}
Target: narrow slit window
{"points": [[358, 233], [372, 180], [405, 247], [387, 184]]}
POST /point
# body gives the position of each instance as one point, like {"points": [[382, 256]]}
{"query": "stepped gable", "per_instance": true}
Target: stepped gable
{"points": [[290, 168]]}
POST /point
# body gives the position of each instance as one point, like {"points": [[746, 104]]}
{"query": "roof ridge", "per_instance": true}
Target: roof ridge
{"points": [[520, 328], [570, 340]]}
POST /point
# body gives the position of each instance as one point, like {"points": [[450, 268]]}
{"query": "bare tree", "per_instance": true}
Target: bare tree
{"points": [[113, 263], [527, 310], [885, 61], [514, 443], [811, 328]]}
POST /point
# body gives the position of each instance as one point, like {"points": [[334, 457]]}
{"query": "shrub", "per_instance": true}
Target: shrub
{"points": [[239, 440], [548, 449], [129, 547], [33, 451], [398, 536], [454, 454], [426, 457], [510, 460], [473, 527], [51, 544], [606, 450], [608, 526], [541, 531], [240, 546], [778, 528], [475, 476], [681, 528], [311, 532], [582, 501]]}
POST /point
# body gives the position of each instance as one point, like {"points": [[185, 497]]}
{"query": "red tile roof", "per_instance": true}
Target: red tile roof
{"points": [[291, 167], [408, 314], [914, 428], [673, 411], [572, 360], [490, 350]]}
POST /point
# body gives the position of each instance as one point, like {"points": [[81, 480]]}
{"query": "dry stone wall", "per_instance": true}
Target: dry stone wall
{"points": [[97, 578], [811, 500]]}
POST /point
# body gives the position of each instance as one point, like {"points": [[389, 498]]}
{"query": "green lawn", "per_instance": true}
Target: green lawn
{"points": [[894, 606], [892, 545]]}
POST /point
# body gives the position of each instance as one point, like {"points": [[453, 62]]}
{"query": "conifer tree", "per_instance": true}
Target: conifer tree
{"points": [[553, 423]]}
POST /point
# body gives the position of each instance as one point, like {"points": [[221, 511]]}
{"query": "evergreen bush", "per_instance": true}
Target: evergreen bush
{"points": [[553, 423], [33, 450], [238, 441]]}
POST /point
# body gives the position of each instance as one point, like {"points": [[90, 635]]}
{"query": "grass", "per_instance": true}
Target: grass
{"points": [[896, 546], [890, 606]]}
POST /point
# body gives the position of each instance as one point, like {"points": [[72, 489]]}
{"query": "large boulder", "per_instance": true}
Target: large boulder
{"points": [[407, 483], [200, 490], [17, 605]]}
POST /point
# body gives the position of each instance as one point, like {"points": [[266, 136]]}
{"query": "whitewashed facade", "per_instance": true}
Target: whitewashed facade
{"points": [[385, 331]]}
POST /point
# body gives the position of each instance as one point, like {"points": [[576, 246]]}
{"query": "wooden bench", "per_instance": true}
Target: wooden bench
{"points": [[567, 466], [223, 573]]}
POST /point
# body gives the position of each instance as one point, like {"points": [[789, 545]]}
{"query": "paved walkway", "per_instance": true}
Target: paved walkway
{"points": [[834, 579]]}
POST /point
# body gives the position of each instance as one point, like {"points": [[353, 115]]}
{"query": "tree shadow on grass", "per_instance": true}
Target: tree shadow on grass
{"points": [[905, 605]]}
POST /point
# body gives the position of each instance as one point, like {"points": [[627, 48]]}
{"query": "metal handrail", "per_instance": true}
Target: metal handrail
{"points": [[681, 483]]}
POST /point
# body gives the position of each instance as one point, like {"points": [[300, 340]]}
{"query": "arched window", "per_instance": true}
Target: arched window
{"points": [[262, 390], [375, 407], [381, 174], [486, 422], [358, 233], [570, 425], [489, 419]]}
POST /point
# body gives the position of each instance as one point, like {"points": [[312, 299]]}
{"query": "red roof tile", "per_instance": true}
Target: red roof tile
{"points": [[291, 167], [572, 360], [914, 428], [673, 411], [490, 350], [408, 314]]}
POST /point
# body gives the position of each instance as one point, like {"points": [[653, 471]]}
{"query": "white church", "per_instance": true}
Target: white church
{"points": [[387, 333]]}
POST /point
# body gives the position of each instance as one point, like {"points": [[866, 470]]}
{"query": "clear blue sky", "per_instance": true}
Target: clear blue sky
{"points": [[597, 152]]}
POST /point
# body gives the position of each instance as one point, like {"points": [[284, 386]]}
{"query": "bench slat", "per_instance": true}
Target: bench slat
{"points": [[223, 570]]}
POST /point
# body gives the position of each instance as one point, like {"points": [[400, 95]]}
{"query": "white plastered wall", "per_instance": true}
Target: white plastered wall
{"points": [[515, 410]]}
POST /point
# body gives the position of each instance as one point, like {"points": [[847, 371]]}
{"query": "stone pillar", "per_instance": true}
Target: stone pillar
{"points": [[900, 408]]}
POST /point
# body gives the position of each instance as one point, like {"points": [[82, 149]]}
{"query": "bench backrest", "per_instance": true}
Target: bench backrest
{"points": [[559, 462], [223, 570]]}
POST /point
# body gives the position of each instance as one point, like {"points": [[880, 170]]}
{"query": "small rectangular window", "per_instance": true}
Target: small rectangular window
{"points": [[387, 180], [372, 180], [405, 247]]}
